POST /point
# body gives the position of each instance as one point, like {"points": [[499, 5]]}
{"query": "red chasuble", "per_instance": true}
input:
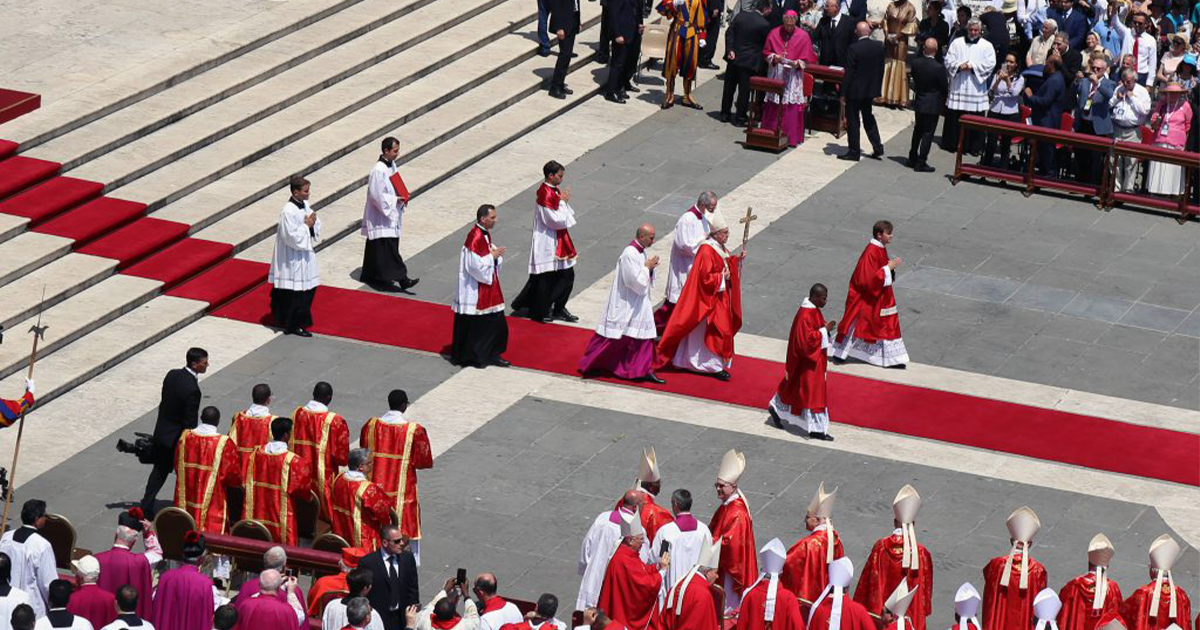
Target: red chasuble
{"points": [[803, 386], [322, 587], [870, 306], [908, 623], [731, 525], [805, 572], [549, 197], [397, 452], [703, 606], [480, 243], [630, 588], [754, 607], [273, 482], [653, 515], [882, 574], [1010, 607], [1137, 613], [1076, 597], [359, 508], [249, 433], [323, 441], [700, 299], [854, 615], [204, 466]]}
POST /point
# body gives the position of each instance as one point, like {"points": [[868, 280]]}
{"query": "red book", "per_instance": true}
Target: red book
{"points": [[399, 187]]}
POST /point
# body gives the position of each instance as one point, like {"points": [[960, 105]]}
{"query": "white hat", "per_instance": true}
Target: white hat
{"points": [[841, 571], [648, 471], [821, 505], [900, 599], [631, 524], [966, 601], [1164, 551], [710, 556], [1023, 525], [1046, 605], [905, 507], [733, 464], [87, 566], [771, 557], [1100, 552], [716, 222]]}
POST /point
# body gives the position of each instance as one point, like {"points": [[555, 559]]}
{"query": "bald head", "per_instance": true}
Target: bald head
{"points": [[269, 581], [645, 235], [862, 29], [631, 500], [930, 47]]}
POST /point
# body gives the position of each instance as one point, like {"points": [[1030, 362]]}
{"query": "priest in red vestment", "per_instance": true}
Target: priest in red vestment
{"points": [[183, 598], [89, 600], [630, 587], [966, 608], [264, 611], [899, 558], [833, 609], [1160, 603], [870, 327], [358, 506], [206, 463], [398, 449], [649, 484], [732, 526], [120, 565], [321, 438], [1089, 597], [893, 614], [696, 602], [251, 428], [275, 478], [800, 399], [1010, 582], [767, 604], [806, 571], [11, 410], [334, 583], [699, 335]]}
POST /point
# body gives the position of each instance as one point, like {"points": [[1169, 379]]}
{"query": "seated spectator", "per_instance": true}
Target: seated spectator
{"points": [[127, 617]]}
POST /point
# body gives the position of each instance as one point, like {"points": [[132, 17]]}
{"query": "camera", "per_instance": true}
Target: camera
{"points": [[142, 447]]}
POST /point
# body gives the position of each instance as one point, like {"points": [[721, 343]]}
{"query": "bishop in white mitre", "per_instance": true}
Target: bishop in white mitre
{"points": [[599, 545], [294, 277], [690, 232], [383, 216]]}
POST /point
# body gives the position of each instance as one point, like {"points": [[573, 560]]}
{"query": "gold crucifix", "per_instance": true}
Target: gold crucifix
{"points": [[750, 216]]}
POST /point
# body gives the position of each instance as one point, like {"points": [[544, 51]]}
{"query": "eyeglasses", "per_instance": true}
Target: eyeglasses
{"points": [[398, 541]]}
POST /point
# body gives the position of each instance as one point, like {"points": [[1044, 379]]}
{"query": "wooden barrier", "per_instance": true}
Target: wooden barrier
{"points": [[248, 554], [830, 124]]}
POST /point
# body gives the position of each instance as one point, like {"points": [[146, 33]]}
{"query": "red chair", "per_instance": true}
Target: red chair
{"points": [[808, 92], [1066, 123]]}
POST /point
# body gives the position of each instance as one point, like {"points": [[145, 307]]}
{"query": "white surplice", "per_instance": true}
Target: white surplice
{"points": [[474, 270], [383, 214], [294, 264], [685, 551], [599, 545], [969, 89], [629, 311], [33, 567], [546, 223], [690, 232]]}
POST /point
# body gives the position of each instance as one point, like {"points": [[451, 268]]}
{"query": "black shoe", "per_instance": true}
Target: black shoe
{"points": [[623, 95], [877, 154], [899, 366], [775, 419], [575, 54], [740, 121], [386, 287], [299, 332], [565, 315], [499, 361], [557, 93], [602, 60], [614, 98], [653, 378], [723, 375], [567, 90], [409, 283], [544, 320], [820, 436], [724, 118], [924, 168], [837, 360], [710, 66], [629, 87], [543, 53], [849, 157]]}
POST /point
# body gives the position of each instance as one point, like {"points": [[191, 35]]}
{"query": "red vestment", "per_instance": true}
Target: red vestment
{"points": [[754, 606], [700, 300], [630, 588], [273, 482], [854, 615], [895, 625], [803, 385], [732, 525], [870, 306], [804, 571], [1137, 613], [882, 574], [1010, 607], [266, 613], [204, 466], [1076, 597], [248, 433], [397, 452], [358, 508], [94, 604], [323, 586], [653, 515], [703, 606], [323, 440]]}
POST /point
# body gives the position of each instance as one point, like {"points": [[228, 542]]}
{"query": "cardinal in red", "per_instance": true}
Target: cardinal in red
{"points": [[732, 526], [251, 428], [893, 614], [321, 438], [630, 587], [206, 463], [767, 604], [899, 559], [966, 608], [699, 335], [1160, 603], [335, 583], [806, 570], [1011, 582], [358, 506], [649, 484], [800, 400], [870, 327], [1090, 597], [398, 449], [696, 602], [11, 410], [834, 610], [275, 478]]}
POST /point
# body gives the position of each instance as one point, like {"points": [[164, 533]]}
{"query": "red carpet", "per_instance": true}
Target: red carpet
{"points": [[136, 240], [181, 261], [975, 422], [93, 219], [50, 198], [7, 148], [224, 282], [18, 173], [14, 103]]}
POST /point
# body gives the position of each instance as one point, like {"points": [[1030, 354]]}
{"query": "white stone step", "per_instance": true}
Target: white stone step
{"points": [[234, 95], [61, 279], [11, 225], [28, 252]]}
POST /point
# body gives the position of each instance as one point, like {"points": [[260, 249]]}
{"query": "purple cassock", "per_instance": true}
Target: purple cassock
{"points": [[120, 566], [183, 600], [250, 588], [95, 604], [265, 613]]}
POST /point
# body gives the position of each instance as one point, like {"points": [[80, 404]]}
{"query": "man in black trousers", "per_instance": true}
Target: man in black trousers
{"points": [[394, 586], [860, 87], [714, 10], [178, 409], [564, 23], [930, 83], [744, 42], [624, 19]]}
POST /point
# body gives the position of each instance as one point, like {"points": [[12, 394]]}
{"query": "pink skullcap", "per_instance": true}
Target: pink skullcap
{"points": [[791, 13]]}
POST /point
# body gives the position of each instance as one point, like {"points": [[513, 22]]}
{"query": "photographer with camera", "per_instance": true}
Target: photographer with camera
{"points": [[178, 409]]}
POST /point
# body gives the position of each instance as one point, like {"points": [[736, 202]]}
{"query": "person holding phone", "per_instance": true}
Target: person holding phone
{"points": [[442, 612]]}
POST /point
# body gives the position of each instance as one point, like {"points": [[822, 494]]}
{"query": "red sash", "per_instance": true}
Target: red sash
{"points": [[399, 187], [480, 243], [549, 197]]}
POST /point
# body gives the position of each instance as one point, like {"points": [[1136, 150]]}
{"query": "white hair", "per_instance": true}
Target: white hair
{"points": [[1052, 23], [275, 558], [126, 535]]}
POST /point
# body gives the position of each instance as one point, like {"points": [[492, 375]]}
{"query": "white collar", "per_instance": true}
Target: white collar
{"points": [[876, 243], [192, 372], [820, 528], [205, 429], [275, 448], [807, 304], [354, 475], [258, 411], [737, 494], [393, 417], [315, 407], [897, 532], [720, 249]]}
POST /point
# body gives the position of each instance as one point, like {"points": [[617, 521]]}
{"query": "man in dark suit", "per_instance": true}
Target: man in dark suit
{"points": [[1071, 20], [1046, 106], [564, 23], [995, 30], [394, 571], [860, 87], [624, 23], [835, 32], [178, 409], [744, 42], [714, 10], [1092, 94], [930, 83]]}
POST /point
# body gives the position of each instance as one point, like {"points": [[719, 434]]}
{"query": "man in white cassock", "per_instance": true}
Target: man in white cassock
{"points": [[690, 232], [32, 558], [686, 536], [387, 197], [552, 255], [623, 344], [970, 61], [480, 330], [598, 546], [294, 277]]}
